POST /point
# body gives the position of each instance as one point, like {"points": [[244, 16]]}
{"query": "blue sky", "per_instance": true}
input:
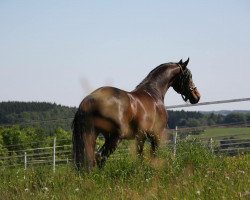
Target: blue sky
{"points": [[59, 51]]}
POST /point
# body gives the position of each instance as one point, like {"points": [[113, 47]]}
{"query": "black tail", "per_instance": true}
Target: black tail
{"points": [[83, 135], [77, 139]]}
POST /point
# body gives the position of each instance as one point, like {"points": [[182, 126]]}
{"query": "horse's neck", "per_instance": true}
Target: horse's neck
{"points": [[153, 91], [157, 89]]}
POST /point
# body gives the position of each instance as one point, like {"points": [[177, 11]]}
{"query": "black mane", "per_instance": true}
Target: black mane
{"points": [[155, 74]]}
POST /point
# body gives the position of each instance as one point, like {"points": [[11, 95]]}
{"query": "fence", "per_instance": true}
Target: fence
{"points": [[225, 144], [55, 155], [50, 155]]}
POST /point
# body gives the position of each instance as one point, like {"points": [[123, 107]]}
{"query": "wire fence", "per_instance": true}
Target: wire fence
{"points": [[62, 154]]}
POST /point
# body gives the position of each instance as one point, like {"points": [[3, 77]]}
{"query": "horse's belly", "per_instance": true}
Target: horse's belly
{"points": [[127, 135]]}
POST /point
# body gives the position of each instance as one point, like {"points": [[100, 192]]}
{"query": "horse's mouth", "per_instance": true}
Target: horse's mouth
{"points": [[194, 97], [194, 100]]}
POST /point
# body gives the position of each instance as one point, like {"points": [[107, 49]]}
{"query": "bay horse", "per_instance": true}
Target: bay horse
{"points": [[118, 114]]}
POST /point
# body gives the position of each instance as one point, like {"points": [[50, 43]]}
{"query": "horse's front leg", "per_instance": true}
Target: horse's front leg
{"points": [[154, 140], [106, 150]]}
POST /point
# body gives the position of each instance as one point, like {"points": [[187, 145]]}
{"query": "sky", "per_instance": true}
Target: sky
{"points": [[59, 51]]}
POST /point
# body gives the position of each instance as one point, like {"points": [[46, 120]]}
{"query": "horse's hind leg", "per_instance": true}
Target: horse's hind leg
{"points": [[111, 143]]}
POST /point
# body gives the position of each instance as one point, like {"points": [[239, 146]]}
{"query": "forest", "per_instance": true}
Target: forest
{"points": [[42, 115]]}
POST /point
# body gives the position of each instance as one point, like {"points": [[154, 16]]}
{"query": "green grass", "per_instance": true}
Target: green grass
{"points": [[194, 173]]}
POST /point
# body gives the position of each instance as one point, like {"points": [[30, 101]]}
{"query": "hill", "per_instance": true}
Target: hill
{"points": [[46, 115]]}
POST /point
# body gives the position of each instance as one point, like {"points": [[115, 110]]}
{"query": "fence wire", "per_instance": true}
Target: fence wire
{"points": [[62, 153]]}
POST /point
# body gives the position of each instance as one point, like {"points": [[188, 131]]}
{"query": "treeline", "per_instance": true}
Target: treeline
{"points": [[37, 114], [52, 116], [196, 119]]}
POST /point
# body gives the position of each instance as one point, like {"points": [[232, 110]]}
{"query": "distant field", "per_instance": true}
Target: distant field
{"points": [[237, 132]]}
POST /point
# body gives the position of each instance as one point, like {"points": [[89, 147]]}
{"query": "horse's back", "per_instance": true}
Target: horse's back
{"points": [[106, 97], [109, 92]]}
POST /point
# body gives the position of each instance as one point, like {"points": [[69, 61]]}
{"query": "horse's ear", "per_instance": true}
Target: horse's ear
{"points": [[184, 65], [180, 62]]}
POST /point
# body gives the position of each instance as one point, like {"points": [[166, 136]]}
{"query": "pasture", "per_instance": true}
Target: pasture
{"points": [[195, 173], [222, 132]]}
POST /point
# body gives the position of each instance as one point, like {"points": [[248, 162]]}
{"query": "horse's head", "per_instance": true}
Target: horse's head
{"points": [[184, 85]]}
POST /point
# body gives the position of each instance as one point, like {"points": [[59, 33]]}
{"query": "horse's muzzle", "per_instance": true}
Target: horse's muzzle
{"points": [[195, 96]]}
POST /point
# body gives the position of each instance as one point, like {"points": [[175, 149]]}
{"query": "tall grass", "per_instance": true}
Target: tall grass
{"points": [[194, 173]]}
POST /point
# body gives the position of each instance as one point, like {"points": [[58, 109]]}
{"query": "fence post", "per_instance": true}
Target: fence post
{"points": [[25, 160], [54, 155], [175, 140], [211, 145]]}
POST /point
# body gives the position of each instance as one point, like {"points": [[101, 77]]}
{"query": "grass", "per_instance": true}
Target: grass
{"points": [[194, 173]]}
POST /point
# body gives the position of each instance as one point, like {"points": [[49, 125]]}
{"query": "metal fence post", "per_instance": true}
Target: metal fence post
{"points": [[54, 155], [25, 160], [175, 140]]}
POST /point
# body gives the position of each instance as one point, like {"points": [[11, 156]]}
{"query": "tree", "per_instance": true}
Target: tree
{"points": [[63, 137], [235, 118], [3, 150], [193, 123], [248, 117]]}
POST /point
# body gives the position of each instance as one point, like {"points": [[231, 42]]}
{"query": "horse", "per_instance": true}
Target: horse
{"points": [[118, 114]]}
